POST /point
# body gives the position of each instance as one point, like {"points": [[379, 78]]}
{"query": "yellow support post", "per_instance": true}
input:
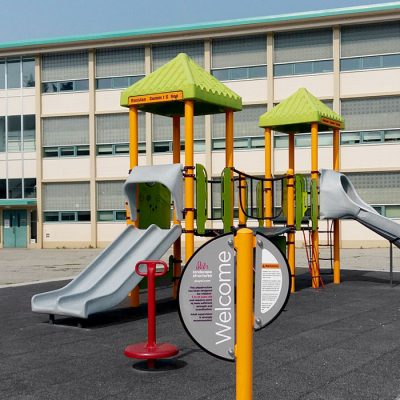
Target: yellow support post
{"points": [[244, 243], [189, 179], [242, 201], [336, 222], [133, 162], [176, 159], [229, 148], [291, 151], [314, 234], [290, 223], [268, 175]]}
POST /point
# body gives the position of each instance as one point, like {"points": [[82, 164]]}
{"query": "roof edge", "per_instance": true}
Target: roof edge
{"points": [[305, 15]]}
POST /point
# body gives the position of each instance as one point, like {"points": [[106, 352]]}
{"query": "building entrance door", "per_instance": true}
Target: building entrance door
{"points": [[14, 222]]}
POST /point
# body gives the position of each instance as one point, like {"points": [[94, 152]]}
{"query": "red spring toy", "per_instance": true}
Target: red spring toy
{"points": [[150, 350]]}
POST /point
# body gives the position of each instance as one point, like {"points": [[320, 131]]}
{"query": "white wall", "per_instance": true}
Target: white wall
{"points": [[374, 82], [66, 168], [108, 101], [320, 86], [72, 235], [108, 231], [251, 91], [65, 103]]}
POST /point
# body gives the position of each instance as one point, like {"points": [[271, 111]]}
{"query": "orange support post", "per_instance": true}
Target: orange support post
{"points": [[189, 179], [314, 235], [336, 223], [133, 162], [244, 243], [268, 175], [290, 223]]}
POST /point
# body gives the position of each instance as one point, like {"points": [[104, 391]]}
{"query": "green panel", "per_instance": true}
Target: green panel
{"points": [[183, 74], [154, 205], [227, 200], [314, 205], [284, 197], [201, 199], [297, 112], [301, 199], [15, 231], [279, 242], [259, 203]]}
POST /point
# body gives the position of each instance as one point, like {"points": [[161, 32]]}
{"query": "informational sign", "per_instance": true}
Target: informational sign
{"points": [[155, 98], [272, 282], [207, 297]]}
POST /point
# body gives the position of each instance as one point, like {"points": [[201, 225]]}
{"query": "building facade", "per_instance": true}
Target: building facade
{"points": [[64, 137]]}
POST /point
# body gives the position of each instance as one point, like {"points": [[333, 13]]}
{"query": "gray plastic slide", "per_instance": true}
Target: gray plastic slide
{"points": [[339, 199], [110, 277]]}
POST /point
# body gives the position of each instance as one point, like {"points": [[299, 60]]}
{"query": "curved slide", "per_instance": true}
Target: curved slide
{"points": [[110, 277], [339, 199]]}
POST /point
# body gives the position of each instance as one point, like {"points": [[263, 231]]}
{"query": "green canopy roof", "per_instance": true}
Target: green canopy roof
{"points": [[182, 74], [297, 112]]}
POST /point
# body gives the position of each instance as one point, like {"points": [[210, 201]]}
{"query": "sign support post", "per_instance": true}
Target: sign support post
{"points": [[244, 243]]}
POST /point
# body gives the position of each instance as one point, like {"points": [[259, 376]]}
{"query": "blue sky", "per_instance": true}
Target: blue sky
{"points": [[39, 19]]}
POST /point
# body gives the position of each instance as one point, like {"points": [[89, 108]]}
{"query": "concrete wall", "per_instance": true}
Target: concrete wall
{"points": [[74, 235]]}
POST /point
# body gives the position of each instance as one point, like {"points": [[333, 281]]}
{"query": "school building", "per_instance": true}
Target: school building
{"points": [[64, 137]]}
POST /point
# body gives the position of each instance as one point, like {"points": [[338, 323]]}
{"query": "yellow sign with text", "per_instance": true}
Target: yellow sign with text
{"points": [[155, 98]]}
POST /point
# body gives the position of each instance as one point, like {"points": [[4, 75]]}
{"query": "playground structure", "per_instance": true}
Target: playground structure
{"points": [[182, 89]]}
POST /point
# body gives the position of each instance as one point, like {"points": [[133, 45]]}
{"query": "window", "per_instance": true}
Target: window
{"points": [[370, 137], [66, 136], [239, 58], [14, 133], [162, 133], [13, 74], [15, 188], [30, 188], [246, 131], [17, 68], [380, 189], [29, 132], [371, 113], [110, 201], [66, 202], [370, 46], [162, 53], [3, 188], [2, 134], [65, 72], [112, 133], [119, 68], [303, 52]]}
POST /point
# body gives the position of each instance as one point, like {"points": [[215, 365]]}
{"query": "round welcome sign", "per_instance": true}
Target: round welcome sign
{"points": [[207, 292], [207, 297]]}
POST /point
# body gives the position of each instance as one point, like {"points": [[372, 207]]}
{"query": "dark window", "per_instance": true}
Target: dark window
{"points": [[82, 150], [392, 60], [50, 152], [66, 86], [14, 133], [28, 73], [34, 224], [13, 74], [83, 215], [283, 69], [30, 188], [2, 134], [29, 124], [67, 151], [15, 188], [2, 75], [68, 216], [50, 87], [121, 82], [82, 84], [3, 189], [51, 216], [120, 215], [104, 83]]}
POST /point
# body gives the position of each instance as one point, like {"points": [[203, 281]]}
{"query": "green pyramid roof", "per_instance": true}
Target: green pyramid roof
{"points": [[182, 74], [297, 112]]}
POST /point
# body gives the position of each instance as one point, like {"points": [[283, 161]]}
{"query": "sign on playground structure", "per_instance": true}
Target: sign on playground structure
{"points": [[155, 98], [207, 292]]}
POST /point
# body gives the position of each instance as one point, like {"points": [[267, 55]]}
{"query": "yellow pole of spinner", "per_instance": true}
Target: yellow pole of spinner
{"points": [[290, 223], [189, 179], [244, 243], [229, 148], [314, 177], [133, 162], [268, 175], [336, 222], [176, 159]]}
